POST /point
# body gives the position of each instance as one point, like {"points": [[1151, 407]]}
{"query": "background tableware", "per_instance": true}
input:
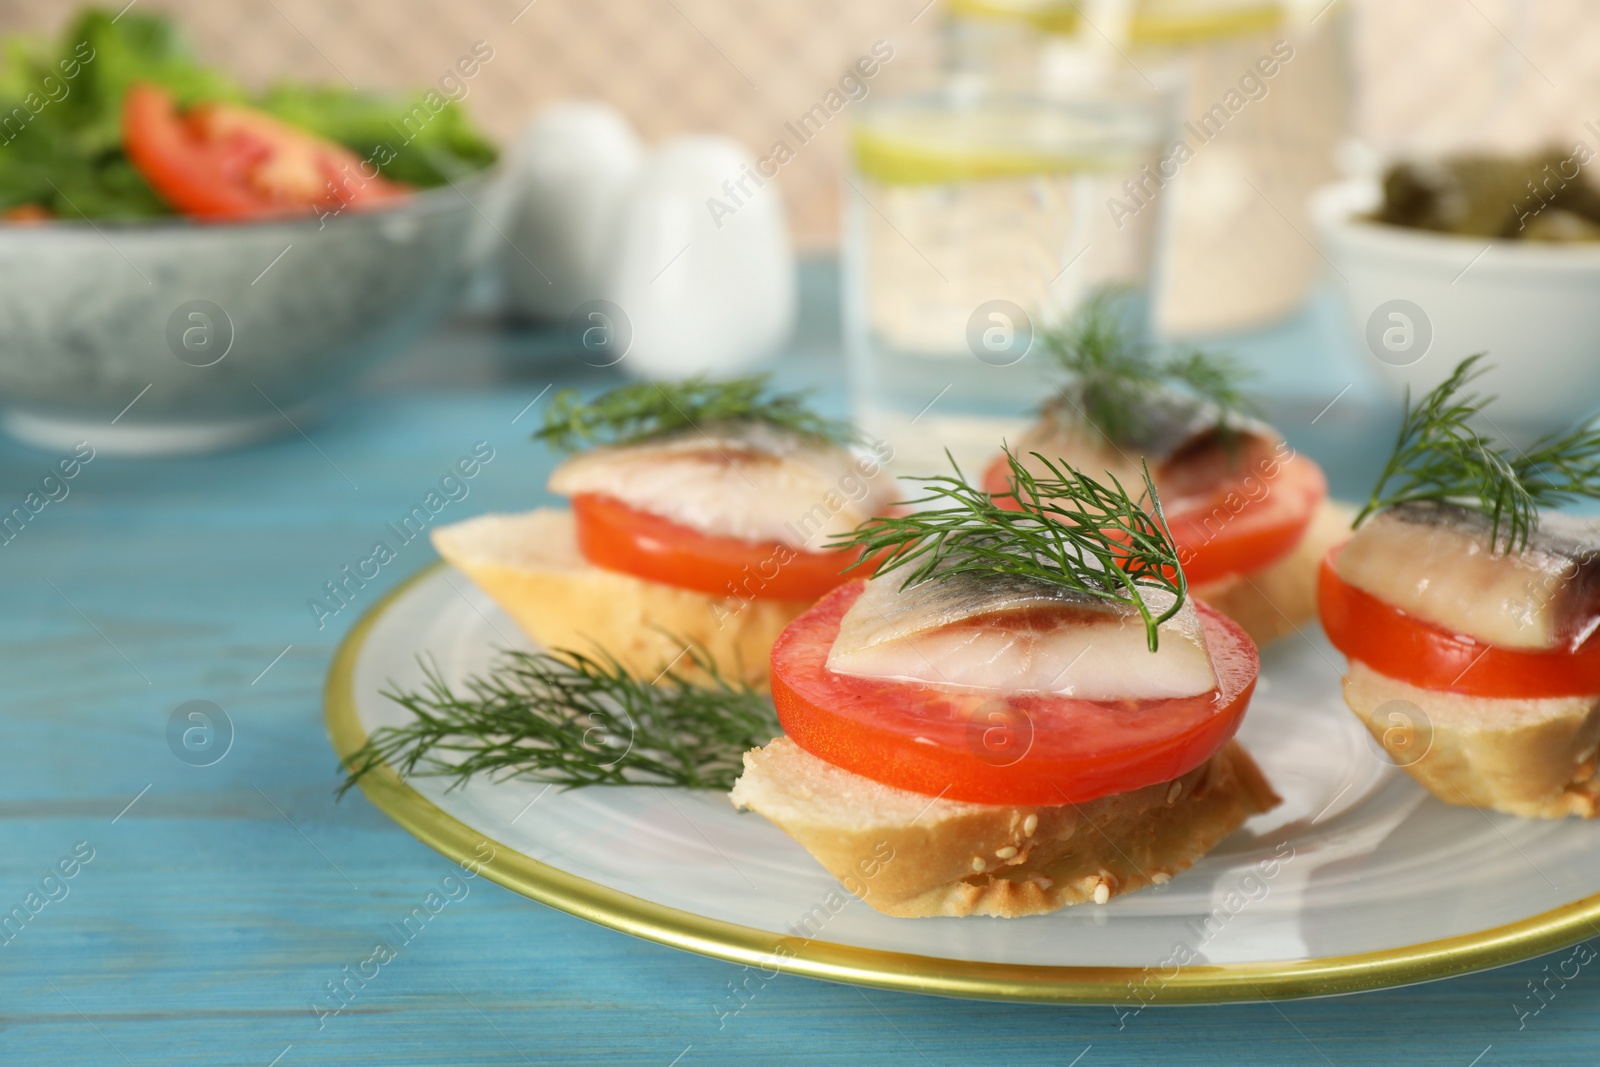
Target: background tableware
{"points": [[571, 170], [172, 336], [976, 218], [1419, 302], [702, 269], [1268, 99], [1359, 880]]}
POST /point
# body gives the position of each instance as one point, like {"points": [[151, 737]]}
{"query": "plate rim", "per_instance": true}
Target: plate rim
{"points": [[907, 972]]}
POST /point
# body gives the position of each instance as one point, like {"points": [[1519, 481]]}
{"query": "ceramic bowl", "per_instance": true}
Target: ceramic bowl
{"points": [[176, 336], [1420, 302]]}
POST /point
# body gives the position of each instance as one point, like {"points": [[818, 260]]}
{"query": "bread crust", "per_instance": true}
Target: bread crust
{"points": [[1530, 758], [529, 564], [914, 856], [1272, 602]]}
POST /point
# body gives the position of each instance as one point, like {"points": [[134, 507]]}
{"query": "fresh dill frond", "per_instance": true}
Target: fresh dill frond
{"points": [[1440, 456], [640, 411], [1561, 468], [1114, 374], [1111, 369], [1071, 531], [1213, 378], [573, 720]]}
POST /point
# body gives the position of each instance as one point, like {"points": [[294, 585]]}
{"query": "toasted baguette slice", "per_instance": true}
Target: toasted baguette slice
{"points": [[1271, 602], [914, 856], [1530, 758], [530, 565]]}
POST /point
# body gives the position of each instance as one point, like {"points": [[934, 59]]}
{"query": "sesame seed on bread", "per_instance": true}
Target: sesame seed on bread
{"points": [[917, 856]]}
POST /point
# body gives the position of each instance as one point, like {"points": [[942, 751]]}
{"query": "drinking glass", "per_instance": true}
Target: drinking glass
{"points": [[978, 219]]}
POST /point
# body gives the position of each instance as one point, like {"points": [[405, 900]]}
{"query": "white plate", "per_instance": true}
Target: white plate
{"points": [[1359, 880]]}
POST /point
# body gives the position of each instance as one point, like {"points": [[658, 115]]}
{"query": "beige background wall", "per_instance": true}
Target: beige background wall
{"points": [[1433, 71]]}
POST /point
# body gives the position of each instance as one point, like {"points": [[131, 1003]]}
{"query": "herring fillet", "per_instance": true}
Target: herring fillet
{"points": [[1435, 562], [1183, 440], [753, 483], [1012, 634]]}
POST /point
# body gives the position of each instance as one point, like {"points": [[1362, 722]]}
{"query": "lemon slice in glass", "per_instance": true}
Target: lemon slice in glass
{"points": [[936, 140]]}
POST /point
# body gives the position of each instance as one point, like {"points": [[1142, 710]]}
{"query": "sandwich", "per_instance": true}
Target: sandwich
{"points": [[1020, 709], [1468, 611], [700, 515], [1249, 514]]}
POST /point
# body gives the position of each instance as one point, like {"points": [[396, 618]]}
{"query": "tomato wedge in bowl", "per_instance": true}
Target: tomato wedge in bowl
{"points": [[222, 161], [1022, 749]]}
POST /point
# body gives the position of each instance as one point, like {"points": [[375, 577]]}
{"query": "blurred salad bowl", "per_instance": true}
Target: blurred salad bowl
{"points": [[192, 265], [176, 336]]}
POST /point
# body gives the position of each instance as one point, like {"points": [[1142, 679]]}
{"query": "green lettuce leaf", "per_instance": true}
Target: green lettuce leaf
{"points": [[61, 117]]}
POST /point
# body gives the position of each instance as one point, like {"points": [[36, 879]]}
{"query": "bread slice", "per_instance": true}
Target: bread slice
{"points": [[1272, 602], [1530, 758], [916, 856], [530, 565]]}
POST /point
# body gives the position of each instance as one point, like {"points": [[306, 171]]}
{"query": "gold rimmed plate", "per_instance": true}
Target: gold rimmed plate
{"points": [[1359, 881]]}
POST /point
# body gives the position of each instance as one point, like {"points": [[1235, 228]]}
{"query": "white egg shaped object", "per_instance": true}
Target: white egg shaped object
{"points": [[702, 267], [575, 163]]}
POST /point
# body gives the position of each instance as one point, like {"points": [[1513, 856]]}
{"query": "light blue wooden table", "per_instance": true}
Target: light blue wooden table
{"points": [[220, 900]]}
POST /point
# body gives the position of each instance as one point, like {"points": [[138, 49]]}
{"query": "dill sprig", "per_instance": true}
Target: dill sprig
{"points": [[640, 411], [1115, 374], [574, 720], [1440, 456], [1071, 531]]}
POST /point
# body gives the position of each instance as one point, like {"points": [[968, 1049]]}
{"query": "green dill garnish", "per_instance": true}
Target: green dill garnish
{"points": [[1114, 374], [573, 720], [1439, 456], [640, 411], [1071, 531]]}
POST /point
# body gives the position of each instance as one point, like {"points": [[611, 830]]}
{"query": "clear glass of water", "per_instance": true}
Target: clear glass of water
{"points": [[975, 219]]}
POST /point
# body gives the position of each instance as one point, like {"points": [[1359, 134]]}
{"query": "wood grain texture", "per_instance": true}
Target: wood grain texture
{"points": [[216, 908]]}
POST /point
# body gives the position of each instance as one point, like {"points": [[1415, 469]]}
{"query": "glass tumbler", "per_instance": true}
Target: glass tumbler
{"points": [[977, 219]]}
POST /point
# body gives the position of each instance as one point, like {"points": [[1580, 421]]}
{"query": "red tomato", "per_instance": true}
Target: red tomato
{"points": [[1242, 524], [1231, 533], [1021, 749], [26, 214], [621, 538], [224, 161], [1412, 650]]}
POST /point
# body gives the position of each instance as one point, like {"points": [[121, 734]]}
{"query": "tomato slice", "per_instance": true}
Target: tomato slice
{"points": [[224, 161], [1391, 642], [1020, 749], [1243, 523], [618, 537], [1248, 523]]}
